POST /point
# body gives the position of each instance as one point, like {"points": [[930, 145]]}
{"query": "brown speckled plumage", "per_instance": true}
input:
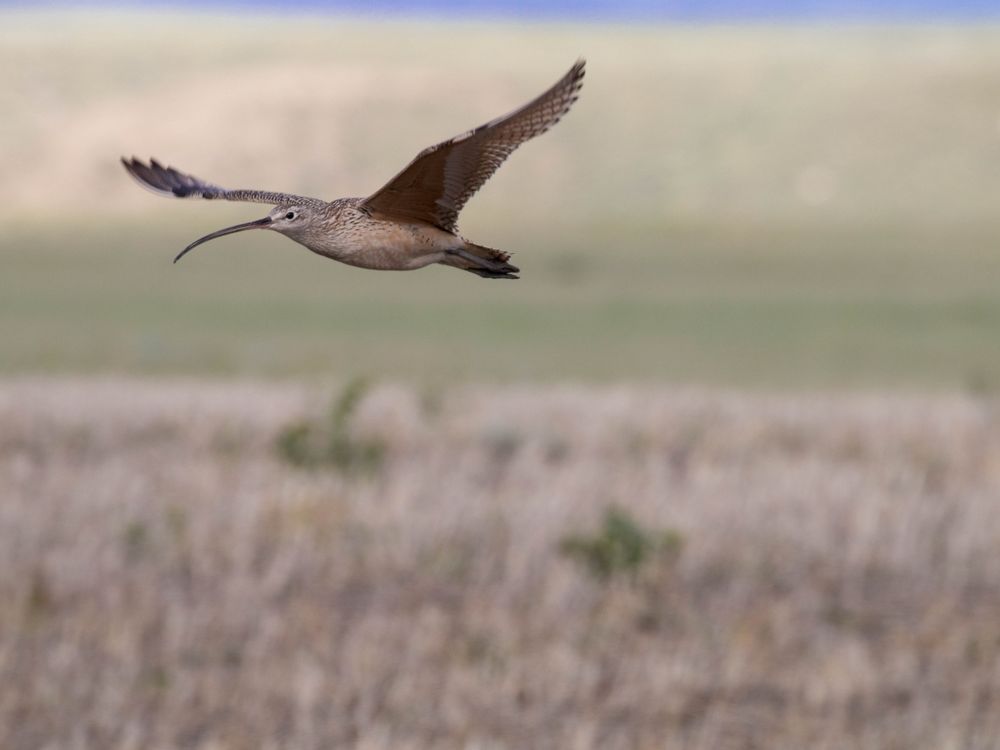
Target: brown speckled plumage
{"points": [[410, 222]]}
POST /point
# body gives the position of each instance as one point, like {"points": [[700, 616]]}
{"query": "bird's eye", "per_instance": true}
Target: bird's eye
{"points": [[290, 215]]}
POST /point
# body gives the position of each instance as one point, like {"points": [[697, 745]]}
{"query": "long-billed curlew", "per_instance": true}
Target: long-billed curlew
{"points": [[410, 222]]}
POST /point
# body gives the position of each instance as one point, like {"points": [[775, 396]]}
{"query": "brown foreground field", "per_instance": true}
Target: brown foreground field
{"points": [[780, 572]]}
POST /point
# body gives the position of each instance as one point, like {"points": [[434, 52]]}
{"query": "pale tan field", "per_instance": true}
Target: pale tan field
{"points": [[831, 578]]}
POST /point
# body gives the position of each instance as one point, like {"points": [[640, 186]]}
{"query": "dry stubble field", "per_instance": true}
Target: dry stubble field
{"points": [[170, 581]]}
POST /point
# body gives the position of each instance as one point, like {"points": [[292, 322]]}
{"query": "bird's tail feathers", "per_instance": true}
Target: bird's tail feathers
{"points": [[482, 261]]}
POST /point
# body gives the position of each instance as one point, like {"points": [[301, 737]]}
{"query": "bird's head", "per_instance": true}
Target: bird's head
{"points": [[289, 219]]}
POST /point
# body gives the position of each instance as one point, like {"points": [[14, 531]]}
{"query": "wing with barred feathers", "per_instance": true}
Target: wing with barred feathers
{"points": [[435, 186], [169, 181]]}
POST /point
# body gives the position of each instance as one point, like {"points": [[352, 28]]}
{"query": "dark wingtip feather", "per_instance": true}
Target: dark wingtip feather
{"points": [[164, 180], [144, 175]]}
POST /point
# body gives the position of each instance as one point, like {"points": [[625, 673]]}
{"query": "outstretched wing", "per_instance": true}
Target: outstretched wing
{"points": [[435, 186], [168, 181]]}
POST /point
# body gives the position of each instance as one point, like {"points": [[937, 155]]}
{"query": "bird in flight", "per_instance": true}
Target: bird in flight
{"points": [[412, 221]]}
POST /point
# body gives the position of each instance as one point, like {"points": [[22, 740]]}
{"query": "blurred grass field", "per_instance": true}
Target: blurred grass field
{"points": [[772, 207], [826, 572]]}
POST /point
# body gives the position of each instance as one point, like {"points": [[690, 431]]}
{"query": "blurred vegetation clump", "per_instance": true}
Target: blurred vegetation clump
{"points": [[621, 546], [331, 443]]}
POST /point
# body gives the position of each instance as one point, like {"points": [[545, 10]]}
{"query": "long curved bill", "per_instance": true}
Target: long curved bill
{"points": [[258, 224]]}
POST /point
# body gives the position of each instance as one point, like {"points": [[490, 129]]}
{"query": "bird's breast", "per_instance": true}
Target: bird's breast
{"points": [[387, 245]]}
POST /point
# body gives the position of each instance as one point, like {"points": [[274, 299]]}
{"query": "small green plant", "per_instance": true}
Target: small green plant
{"points": [[135, 540], [981, 382], [176, 520], [503, 443], [621, 546], [39, 601], [315, 444]]}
